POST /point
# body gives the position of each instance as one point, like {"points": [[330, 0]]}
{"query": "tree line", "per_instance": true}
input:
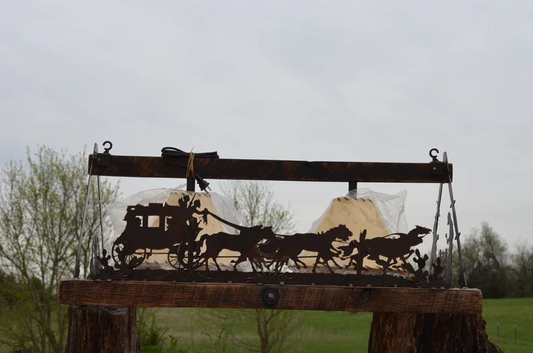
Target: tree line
{"points": [[41, 206], [493, 268]]}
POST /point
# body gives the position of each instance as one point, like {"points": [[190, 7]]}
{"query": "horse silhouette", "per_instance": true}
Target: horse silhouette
{"points": [[347, 250], [395, 248], [245, 243], [288, 247]]}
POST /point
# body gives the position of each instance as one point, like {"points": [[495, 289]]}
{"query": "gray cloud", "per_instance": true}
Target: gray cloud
{"points": [[306, 80]]}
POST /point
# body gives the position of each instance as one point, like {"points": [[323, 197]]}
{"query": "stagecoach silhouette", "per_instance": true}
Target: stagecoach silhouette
{"points": [[156, 227]]}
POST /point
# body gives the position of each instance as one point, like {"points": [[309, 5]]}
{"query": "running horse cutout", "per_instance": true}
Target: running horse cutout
{"points": [[288, 247], [390, 248], [245, 243]]}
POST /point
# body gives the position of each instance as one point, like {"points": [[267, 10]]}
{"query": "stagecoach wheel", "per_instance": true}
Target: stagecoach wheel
{"points": [[122, 255], [174, 257], [178, 256]]}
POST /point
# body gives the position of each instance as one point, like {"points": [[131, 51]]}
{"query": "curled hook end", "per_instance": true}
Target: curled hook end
{"points": [[107, 149], [433, 154]]}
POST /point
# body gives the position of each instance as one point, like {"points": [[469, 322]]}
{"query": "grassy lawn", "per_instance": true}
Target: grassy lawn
{"points": [[510, 312], [344, 332], [321, 331], [336, 332]]}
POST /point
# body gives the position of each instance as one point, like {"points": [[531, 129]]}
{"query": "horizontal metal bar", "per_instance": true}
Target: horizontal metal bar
{"points": [[247, 169]]}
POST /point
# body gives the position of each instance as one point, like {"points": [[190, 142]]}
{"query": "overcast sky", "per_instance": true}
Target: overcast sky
{"points": [[306, 80]]}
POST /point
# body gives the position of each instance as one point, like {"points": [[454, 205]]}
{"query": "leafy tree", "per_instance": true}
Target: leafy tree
{"points": [[257, 204], [492, 268], [486, 259], [276, 329], [41, 206]]}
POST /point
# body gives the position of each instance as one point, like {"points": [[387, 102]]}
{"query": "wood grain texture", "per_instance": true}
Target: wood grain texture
{"points": [[291, 297], [101, 329], [436, 333], [247, 169]]}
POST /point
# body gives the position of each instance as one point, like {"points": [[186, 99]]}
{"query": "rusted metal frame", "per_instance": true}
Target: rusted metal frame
{"points": [[462, 275], [281, 246], [375, 280], [450, 239], [242, 169], [433, 254]]}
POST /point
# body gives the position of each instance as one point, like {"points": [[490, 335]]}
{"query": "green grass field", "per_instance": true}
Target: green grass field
{"points": [[510, 312], [321, 331], [344, 332]]}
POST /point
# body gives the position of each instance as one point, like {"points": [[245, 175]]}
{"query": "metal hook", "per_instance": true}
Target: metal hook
{"points": [[107, 149], [434, 156]]}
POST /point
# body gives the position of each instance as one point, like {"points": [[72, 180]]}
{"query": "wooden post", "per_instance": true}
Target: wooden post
{"points": [[103, 329], [436, 333]]}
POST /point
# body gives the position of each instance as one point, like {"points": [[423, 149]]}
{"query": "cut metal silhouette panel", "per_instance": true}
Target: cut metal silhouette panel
{"points": [[174, 234], [185, 237]]}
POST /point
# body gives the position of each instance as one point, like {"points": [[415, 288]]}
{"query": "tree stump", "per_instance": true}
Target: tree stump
{"points": [[103, 329], [436, 333]]}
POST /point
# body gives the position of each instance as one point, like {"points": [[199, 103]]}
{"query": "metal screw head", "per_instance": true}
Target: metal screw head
{"points": [[270, 296]]}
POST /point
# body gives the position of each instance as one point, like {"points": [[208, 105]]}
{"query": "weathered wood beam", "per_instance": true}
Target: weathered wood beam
{"points": [[244, 169], [291, 297]]}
